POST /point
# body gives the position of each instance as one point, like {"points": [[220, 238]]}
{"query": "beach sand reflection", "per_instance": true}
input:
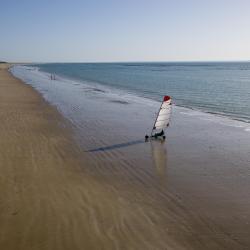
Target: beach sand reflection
{"points": [[159, 155]]}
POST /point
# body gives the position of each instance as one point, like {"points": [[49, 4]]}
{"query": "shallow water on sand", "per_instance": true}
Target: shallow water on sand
{"points": [[190, 192], [216, 87]]}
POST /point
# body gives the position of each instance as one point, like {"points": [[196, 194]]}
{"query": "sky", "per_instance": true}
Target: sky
{"points": [[124, 30]]}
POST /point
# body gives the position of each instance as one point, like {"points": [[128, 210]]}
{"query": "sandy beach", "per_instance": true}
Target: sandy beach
{"points": [[61, 193]]}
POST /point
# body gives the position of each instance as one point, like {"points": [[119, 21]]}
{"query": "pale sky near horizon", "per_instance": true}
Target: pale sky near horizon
{"points": [[128, 30]]}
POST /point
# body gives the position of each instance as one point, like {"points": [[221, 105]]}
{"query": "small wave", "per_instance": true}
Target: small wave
{"points": [[217, 114], [98, 90], [119, 101], [88, 89]]}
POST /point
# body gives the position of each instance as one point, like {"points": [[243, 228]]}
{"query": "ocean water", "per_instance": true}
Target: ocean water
{"points": [[220, 88]]}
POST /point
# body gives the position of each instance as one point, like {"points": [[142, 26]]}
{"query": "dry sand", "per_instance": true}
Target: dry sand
{"points": [[49, 201]]}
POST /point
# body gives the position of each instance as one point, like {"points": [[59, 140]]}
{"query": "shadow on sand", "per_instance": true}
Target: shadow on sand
{"points": [[115, 146]]}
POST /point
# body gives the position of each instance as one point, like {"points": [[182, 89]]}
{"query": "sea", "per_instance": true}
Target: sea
{"points": [[221, 88]]}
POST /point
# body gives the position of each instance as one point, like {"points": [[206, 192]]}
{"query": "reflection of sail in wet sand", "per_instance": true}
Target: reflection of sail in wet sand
{"points": [[159, 154]]}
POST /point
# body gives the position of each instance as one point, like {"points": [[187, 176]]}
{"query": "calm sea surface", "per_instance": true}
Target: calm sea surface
{"points": [[221, 88]]}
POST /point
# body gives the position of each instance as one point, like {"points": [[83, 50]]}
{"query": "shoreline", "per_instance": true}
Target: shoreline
{"points": [[118, 90], [147, 196], [117, 76]]}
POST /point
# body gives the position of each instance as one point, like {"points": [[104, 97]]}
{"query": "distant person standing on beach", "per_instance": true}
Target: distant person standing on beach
{"points": [[52, 77]]}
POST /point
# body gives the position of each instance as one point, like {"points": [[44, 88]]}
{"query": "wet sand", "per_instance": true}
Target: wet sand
{"points": [[55, 195]]}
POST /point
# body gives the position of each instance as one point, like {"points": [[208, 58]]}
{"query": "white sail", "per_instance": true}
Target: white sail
{"points": [[163, 118]]}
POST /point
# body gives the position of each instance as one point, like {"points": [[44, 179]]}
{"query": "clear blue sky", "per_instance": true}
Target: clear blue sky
{"points": [[124, 30]]}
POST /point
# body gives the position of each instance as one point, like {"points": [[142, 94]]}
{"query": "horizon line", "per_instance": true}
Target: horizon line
{"points": [[146, 61]]}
